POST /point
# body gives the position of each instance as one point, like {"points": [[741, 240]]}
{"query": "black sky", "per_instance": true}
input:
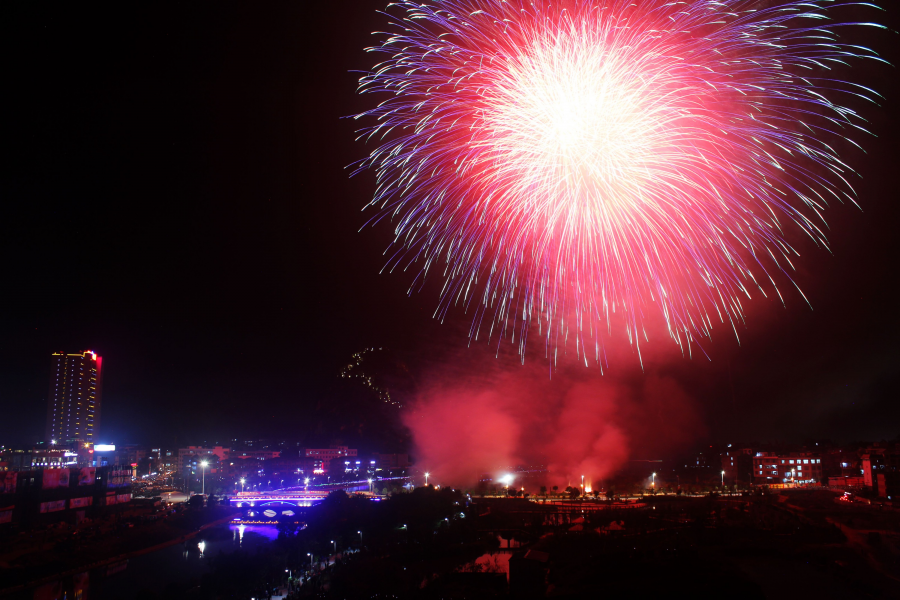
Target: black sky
{"points": [[176, 198]]}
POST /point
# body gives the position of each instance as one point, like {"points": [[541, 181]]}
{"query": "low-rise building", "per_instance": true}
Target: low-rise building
{"points": [[881, 471], [255, 454], [737, 463], [64, 494], [322, 457], [793, 467], [847, 482]]}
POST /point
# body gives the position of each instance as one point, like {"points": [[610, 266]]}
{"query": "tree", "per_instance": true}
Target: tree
{"points": [[555, 489], [543, 490], [610, 493]]}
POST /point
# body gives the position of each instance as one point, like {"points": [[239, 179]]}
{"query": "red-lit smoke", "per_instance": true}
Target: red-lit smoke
{"points": [[485, 415]]}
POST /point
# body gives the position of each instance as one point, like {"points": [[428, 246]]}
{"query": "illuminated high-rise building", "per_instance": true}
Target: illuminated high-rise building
{"points": [[73, 406]]}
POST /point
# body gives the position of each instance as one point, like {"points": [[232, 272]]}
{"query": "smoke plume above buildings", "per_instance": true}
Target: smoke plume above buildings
{"points": [[479, 413]]}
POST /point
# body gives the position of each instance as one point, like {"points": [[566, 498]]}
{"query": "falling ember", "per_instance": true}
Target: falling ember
{"points": [[559, 163]]}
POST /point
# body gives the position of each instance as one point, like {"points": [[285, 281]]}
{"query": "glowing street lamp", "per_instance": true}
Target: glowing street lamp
{"points": [[203, 470], [309, 554], [242, 484], [507, 479], [426, 478], [582, 485], [370, 485], [653, 482], [723, 477], [335, 546], [360, 536]]}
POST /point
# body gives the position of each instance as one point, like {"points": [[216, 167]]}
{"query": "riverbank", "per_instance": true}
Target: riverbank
{"points": [[105, 544]]}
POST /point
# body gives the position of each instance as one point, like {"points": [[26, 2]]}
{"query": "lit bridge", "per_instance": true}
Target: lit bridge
{"points": [[269, 507], [296, 499]]}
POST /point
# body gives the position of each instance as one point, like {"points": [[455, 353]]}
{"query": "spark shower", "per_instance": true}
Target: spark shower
{"points": [[579, 165]]}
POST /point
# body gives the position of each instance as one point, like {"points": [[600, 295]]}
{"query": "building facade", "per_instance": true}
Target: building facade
{"points": [[74, 398], [321, 457], [737, 464], [42, 496], [330, 453], [881, 471], [794, 467]]}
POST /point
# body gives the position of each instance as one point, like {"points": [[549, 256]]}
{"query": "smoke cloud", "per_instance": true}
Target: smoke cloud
{"points": [[477, 413]]}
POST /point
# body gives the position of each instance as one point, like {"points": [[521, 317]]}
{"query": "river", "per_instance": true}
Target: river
{"points": [[182, 565]]}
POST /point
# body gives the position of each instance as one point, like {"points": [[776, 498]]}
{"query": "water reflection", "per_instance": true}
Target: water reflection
{"points": [[256, 534], [181, 564]]}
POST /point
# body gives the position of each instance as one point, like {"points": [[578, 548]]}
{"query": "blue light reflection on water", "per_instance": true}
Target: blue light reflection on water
{"points": [[182, 564], [269, 532]]}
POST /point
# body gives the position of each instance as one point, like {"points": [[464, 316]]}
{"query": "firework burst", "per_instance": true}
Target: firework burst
{"points": [[558, 163]]}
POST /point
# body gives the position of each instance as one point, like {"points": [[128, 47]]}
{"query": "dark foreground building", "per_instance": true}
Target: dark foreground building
{"points": [[43, 496]]}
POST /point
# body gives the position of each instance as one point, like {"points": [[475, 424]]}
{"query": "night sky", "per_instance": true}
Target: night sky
{"points": [[177, 198]]}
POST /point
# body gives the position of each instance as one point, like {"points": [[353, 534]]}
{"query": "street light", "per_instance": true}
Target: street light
{"points": [[426, 478], [242, 484], [507, 479], [203, 470], [582, 485], [723, 477], [653, 483], [335, 546], [360, 536], [370, 485]]}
